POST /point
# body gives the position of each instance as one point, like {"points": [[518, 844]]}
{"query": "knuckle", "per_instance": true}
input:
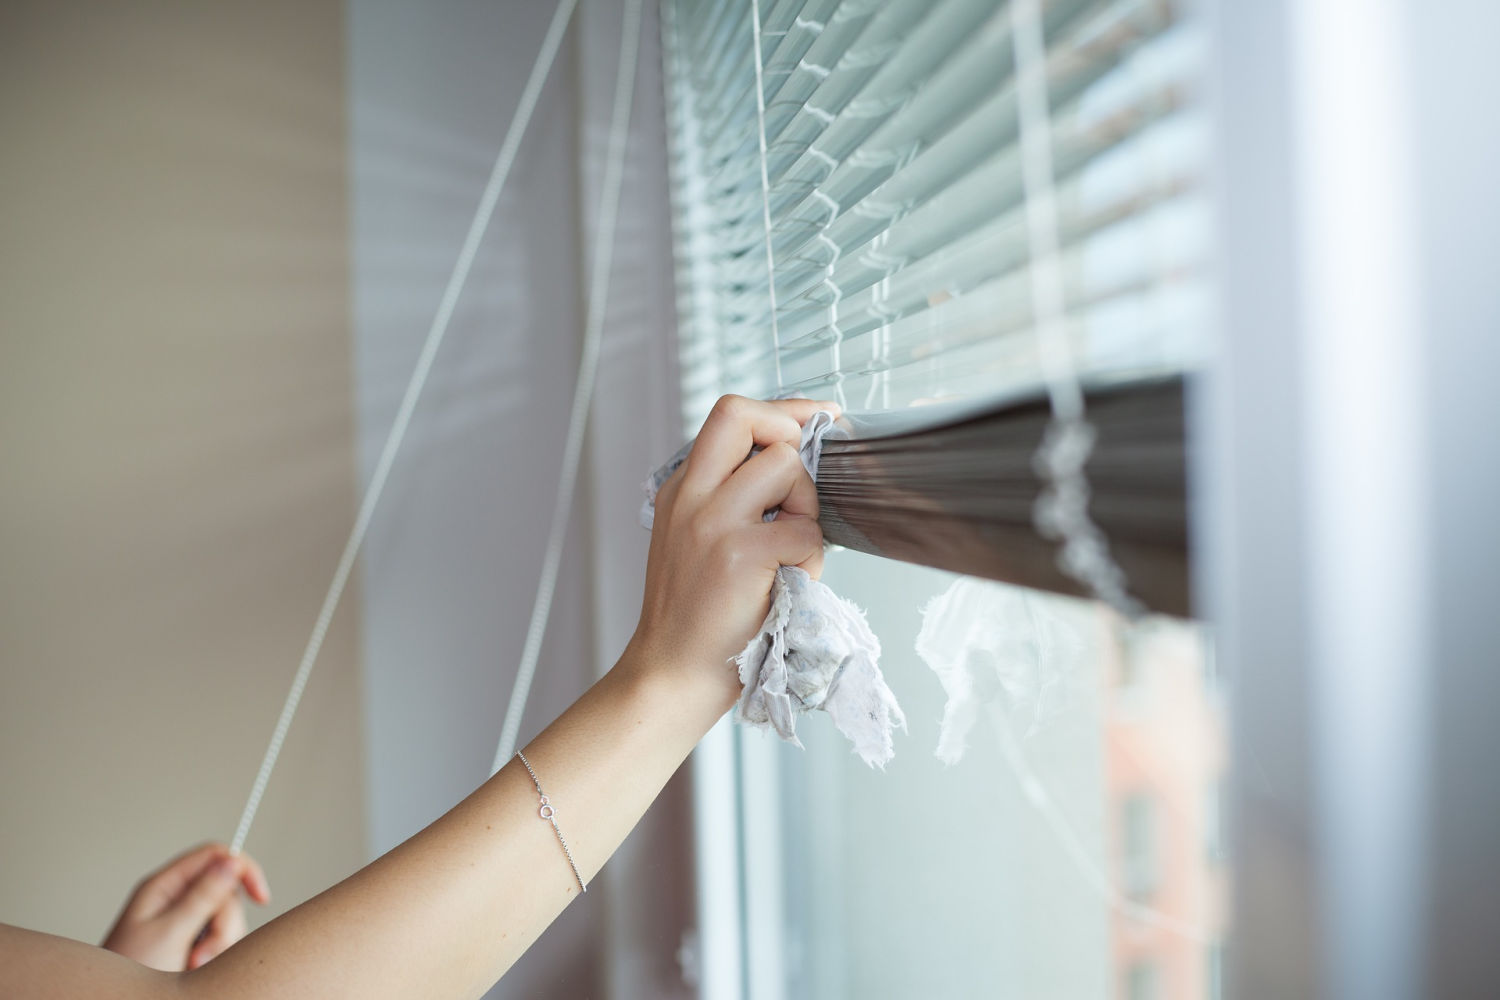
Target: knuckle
{"points": [[785, 455], [729, 406], [728, 550]]}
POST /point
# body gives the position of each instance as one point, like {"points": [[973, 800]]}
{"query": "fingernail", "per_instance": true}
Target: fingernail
{"points": [[225, 868]]}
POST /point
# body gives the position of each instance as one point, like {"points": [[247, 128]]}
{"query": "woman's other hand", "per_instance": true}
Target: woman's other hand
{"points": [[189, 911], [708, 577]]}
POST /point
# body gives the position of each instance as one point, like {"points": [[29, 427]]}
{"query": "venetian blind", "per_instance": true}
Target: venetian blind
{"points": [[862, 230]]}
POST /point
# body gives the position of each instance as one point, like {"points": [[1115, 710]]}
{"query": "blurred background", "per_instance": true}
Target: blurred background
{"points": [[226, 229]]}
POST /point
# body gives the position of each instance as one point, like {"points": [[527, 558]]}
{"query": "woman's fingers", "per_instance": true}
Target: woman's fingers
{"points": [[225, 927], [791, 541], [813, 564], [190, 907], [738, 424], [253, 878], [775, 477], [162, 888], [209, 892]]}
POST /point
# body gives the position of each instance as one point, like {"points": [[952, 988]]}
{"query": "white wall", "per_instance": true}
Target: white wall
{"points": [[176, 460]]}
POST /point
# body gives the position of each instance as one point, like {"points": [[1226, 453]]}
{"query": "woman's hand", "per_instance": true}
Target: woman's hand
{"points": [[189, 911], [708, 577]]}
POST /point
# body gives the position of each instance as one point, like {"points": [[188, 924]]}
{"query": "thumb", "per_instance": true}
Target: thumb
{"points": [[793, 541], [206, 895]]}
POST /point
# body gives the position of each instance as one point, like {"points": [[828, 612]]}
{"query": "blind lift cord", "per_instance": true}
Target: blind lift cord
{"points": [[583, 390], [504, 160]]}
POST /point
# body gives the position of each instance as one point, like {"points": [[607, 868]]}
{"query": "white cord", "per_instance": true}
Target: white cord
{"points": [[1062, 509], [765, 184], [583, 389], [477, 227]]}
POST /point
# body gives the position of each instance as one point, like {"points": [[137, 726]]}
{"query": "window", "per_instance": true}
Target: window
{"points": [[856, 216], [1139, 849], [1140, 982], [1213, 820], [1215, 988]]}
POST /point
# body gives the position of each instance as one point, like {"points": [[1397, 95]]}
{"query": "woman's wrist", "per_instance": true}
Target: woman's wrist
{"points": [[660, 672]]}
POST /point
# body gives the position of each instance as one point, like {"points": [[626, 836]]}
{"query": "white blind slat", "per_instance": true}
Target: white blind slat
{"points": [[897, 201]]}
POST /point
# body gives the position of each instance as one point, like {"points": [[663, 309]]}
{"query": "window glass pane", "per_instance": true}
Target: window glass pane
{"points": [[1066, 854], [1137, 835], [1140, 981]]}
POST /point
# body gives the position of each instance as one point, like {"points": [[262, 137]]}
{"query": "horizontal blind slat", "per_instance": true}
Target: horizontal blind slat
{"points": [[952, 146], [910, 39], [897, 203], [989, 191]]}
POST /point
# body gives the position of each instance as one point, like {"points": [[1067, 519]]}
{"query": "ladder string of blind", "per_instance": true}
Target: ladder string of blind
{"points": [[765, 184], [1062, 509], [479, 224]]}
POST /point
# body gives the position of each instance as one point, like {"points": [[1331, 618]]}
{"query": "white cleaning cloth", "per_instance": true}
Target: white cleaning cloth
{"points": [[814, 650], [994, 644]]}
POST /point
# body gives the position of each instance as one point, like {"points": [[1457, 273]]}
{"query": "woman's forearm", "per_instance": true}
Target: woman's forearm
{"points": [[447, 912], [463, 899]]}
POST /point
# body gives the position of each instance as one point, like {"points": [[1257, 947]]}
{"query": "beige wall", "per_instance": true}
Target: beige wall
{"points": [[176, 460]]}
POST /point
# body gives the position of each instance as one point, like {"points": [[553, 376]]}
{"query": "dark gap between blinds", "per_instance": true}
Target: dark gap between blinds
{"points": [[954, 487]]}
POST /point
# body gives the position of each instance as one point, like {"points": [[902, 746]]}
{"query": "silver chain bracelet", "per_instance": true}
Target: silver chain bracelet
{"points": [[548, 812]]}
